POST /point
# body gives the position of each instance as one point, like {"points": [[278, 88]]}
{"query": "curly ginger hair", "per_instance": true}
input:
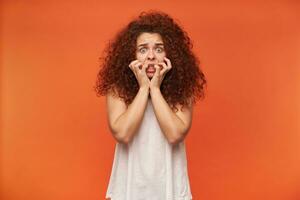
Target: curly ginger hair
{"points": [[183, 84]]}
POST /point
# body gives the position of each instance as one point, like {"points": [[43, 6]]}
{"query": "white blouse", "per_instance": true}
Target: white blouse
{"points": [[149, 168]]}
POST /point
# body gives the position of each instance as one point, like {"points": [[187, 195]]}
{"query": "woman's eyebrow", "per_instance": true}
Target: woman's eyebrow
{"points": [[156, 44]]}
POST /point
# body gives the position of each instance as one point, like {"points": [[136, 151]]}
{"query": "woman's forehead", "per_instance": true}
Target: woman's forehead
{"points": [[145, 38]]}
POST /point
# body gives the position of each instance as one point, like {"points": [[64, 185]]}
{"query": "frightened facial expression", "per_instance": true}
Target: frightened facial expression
{"points": [[150, 47]]}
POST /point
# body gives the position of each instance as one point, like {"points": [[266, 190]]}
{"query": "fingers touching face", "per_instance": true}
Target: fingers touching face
{"points": [[150, 48]]}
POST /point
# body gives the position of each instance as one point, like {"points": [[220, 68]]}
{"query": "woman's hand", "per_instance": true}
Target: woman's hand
{"points": [[139, 70], [160, 73]]}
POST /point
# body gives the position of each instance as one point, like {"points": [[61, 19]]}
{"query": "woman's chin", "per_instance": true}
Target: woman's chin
{"points": [[150, 75]]}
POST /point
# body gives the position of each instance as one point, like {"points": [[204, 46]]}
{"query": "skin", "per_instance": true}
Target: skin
{"points": [[124, 122], [150, 50]]}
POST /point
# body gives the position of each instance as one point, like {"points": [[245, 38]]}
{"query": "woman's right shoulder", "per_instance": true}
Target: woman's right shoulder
{"points": [[113, 100]]}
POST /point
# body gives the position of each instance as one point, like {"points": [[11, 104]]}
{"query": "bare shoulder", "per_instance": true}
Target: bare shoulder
{"points": [[112, 100], [188, 109]]}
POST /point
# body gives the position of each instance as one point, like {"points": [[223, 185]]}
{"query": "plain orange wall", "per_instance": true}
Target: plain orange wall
{"points": [[245, 139]]}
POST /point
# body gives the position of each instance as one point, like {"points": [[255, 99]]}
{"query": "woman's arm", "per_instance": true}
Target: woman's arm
{"points": [[124, 122], [175, 126]]}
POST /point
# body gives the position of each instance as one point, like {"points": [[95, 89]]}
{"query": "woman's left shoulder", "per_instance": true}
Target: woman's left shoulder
{"points": [[187, 107]]}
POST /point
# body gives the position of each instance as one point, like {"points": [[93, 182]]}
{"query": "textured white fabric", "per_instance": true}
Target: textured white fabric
{"points": [[149, 168]]}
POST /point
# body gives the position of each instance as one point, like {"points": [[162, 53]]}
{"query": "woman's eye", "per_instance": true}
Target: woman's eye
{"points": [[142, 50], [160, 49]]}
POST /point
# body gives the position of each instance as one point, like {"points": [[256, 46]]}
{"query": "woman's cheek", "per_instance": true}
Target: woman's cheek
{"points": [[140, 58]]}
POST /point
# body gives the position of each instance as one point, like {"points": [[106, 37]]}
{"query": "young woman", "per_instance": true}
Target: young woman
{"points": [[151, 80]]}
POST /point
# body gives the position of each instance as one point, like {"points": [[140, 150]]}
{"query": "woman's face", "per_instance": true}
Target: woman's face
{"points": [[150, 47]]}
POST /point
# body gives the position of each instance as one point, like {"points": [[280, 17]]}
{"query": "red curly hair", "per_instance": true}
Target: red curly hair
{"points": [[183, 84]]}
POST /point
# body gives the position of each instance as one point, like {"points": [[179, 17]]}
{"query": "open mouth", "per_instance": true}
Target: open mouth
{"points": [[150, 68]]}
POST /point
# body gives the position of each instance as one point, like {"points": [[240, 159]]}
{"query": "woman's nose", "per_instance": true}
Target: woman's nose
{"points": [[151, 55]]}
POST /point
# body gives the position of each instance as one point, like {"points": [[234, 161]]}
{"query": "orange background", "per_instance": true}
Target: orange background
{"points": [[245, 139]]}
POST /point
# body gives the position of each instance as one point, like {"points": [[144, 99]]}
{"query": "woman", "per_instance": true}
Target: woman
{"points": [[151, 80]]}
